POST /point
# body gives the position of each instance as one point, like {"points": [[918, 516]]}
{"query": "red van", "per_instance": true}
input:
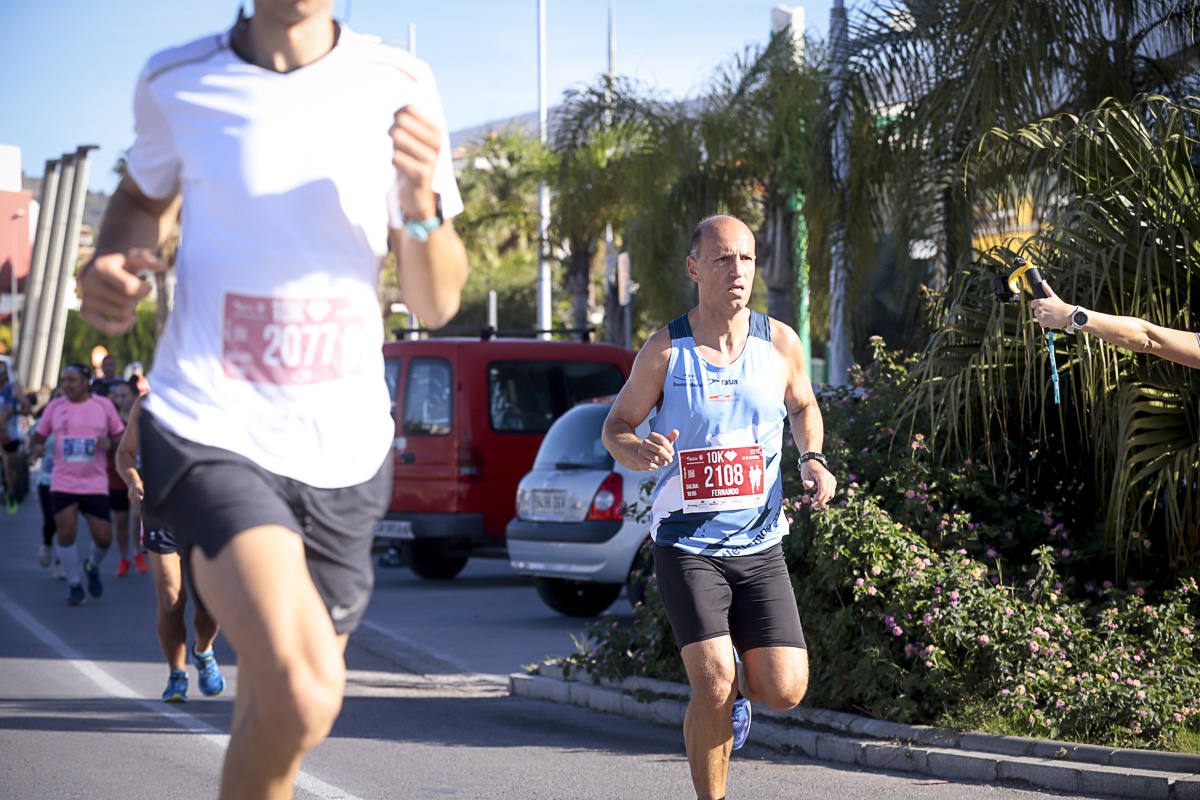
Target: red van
{"points": [[470, 415]]}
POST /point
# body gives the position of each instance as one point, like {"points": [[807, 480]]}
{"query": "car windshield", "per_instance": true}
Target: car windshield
{"points": [[574, 441], [526, 396]]}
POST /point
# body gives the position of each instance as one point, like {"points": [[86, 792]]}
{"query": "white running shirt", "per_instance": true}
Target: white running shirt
{"points": [[273, 348]]}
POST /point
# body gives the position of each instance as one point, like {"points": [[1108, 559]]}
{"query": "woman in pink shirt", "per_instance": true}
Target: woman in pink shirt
{"points": [[85, 427]]}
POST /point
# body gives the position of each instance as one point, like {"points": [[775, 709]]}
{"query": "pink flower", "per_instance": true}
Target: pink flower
{"points": [[897, 631], [983, 638], [1066, 553], [1033, 647]]}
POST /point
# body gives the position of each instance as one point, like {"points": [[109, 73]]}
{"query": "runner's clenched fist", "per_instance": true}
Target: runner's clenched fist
{"points": [[816, 477], [111, 289], [657, 450], [416, 141]]}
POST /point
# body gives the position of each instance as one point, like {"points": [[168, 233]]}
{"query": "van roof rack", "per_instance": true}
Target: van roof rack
{"points": [[487, 332]]}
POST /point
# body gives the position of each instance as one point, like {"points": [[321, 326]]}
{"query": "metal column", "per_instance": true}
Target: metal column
{"points": [[37, 269], [70, 251], [49, 290]]}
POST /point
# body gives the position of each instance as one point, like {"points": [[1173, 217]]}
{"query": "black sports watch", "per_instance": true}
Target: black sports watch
{"points": [[1079, 318], [812, 455]]}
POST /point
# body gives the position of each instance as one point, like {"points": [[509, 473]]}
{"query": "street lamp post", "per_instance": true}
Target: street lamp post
{"points": [[543, 267], [12, 262]]}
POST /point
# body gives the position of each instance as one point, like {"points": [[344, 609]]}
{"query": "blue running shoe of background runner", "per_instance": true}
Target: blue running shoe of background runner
{"points": [[212, 682], [95, 588], [176, 691], [741, 722]]}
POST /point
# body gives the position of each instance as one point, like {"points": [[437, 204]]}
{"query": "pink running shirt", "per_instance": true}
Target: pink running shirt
{"points": [[79, 466]]}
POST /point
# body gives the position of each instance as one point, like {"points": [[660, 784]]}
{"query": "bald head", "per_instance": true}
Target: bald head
{"points": [[709, 227]]}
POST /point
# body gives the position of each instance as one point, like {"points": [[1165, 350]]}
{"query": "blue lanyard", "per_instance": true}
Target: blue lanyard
{"points": [[1053, 366]]}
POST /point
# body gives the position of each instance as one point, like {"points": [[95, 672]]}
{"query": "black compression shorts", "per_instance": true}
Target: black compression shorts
{"points": [[749, 598]]}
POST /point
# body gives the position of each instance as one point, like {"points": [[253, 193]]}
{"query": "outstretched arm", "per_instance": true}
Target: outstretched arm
{"points": [[1130, 333]]}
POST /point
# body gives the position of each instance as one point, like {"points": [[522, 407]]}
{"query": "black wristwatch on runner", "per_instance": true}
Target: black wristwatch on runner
{"points": [[812, 455]]}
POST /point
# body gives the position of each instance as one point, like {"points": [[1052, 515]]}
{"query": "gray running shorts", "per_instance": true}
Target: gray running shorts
{"points": [[748, 598], [206, 496]]}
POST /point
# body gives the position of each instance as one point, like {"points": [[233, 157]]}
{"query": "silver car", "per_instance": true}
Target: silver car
{"points": [[583, 520]]}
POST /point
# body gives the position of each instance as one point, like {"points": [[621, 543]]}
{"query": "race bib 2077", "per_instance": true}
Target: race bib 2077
{"points": [[291, 341], [722, 478]]}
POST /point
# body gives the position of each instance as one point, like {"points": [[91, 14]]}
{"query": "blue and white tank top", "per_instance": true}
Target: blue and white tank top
{"points": [[735, 406]]}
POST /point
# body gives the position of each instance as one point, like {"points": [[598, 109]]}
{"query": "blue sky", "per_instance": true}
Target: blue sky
{"points": [[71, 64]]}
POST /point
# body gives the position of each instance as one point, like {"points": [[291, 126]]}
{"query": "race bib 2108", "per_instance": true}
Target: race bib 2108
{"points": [[722, 478]]}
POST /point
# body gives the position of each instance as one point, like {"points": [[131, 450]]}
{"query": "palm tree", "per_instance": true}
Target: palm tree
{"points": [[745, 148], [927, 77], [1124, 237]]}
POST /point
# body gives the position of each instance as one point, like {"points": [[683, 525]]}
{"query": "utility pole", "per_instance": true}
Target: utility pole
{"points": [[543, 269], [838, 348], [611, 308]]}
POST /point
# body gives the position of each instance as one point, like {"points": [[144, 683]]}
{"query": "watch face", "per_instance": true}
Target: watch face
{"points": [[1080, 318]]}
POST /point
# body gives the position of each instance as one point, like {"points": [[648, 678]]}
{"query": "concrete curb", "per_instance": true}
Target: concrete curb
{"points": [[877, 744]]}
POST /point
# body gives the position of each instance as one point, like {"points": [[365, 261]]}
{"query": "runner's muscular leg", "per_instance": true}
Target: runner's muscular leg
{"points": [[708, 724], [168, 619], [774, 676], [291, 674], [66, 522], [100, 529]]}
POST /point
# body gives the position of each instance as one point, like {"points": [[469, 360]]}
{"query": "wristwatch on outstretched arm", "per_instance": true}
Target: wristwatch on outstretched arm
{"points": [[1079, 318]]}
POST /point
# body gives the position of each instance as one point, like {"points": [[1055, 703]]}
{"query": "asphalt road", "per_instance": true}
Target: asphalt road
{"points": [[426, 715]]}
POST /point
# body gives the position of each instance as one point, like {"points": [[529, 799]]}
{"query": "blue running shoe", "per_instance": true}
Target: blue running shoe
{"points": [[176, 691], [95, 588], [76, 597], [212, 682], [741, 722]]}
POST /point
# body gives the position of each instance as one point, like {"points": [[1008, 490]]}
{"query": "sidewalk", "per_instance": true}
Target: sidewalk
{"points": [[877, 744]]}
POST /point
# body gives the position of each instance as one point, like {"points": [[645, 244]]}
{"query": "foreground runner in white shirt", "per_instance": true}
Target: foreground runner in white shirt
{"points": [[301, 150]]}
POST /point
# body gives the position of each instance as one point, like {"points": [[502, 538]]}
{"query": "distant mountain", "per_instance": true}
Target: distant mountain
{"points": [[93, 204]]}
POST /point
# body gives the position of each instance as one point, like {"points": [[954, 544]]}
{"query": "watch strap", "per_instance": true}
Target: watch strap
{"points": [[813, 455]]}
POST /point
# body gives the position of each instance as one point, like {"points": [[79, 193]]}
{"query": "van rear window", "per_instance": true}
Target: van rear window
{"points": [[527, 396], [428, 402]]}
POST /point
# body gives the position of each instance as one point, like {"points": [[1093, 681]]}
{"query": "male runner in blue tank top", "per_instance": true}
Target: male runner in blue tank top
{"points": [[725, 379]]}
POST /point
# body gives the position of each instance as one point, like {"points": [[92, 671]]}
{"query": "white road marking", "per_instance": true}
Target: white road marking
{"points": [[116, 688]]}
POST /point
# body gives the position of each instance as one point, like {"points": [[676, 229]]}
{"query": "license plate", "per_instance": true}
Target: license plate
{"points": [[549, 501], [393, 529]]}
